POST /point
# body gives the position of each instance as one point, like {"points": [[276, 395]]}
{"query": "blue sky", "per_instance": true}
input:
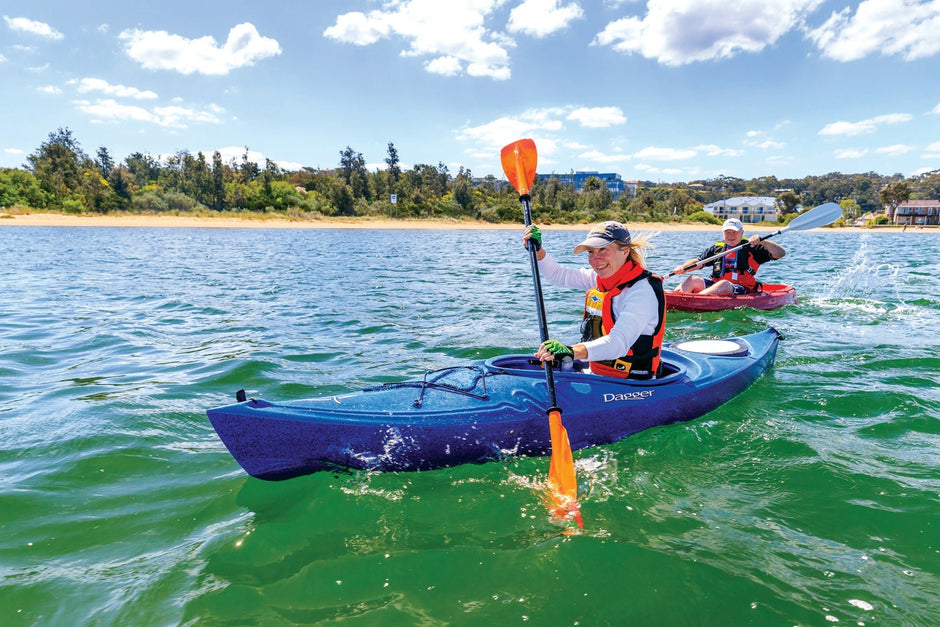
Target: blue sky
{"points": [[658, 90]]}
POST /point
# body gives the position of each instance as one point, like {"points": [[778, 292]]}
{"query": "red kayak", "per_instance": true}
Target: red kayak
{"points": [[770, 297]]}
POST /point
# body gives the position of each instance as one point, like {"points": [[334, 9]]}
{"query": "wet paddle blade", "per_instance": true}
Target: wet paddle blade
{"points": [[816, 217], [561, 477], [519, 160]]}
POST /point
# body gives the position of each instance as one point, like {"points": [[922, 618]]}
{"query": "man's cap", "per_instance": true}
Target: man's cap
{"points": [[604, 234], [732, 224]]}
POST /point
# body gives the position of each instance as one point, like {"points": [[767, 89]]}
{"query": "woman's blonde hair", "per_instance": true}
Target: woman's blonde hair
{"points": [[636, 246]]}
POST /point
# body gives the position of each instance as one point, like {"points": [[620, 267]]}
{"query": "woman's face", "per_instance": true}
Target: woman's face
{"points": [[607, 260]]}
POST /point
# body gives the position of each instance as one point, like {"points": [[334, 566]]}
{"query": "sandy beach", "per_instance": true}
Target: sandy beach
{"points": [[57, 219]]}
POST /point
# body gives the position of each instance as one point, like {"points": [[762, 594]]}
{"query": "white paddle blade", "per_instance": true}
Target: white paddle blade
{"points": [[815, 217]]}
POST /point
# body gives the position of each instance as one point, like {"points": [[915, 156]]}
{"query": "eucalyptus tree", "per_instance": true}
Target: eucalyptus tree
{"points": [[59, 164], [394, 167], [893, 195], [787, 202]]}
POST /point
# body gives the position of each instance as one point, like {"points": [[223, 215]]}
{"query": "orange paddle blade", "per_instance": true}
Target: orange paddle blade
{"points": [[561, 477], [519, 160]]}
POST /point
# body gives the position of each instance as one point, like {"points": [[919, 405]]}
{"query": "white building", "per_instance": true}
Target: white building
{"points": [[745, 208]]}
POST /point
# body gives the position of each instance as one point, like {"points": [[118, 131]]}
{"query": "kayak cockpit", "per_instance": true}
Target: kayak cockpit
{"points": [[526, 365]]}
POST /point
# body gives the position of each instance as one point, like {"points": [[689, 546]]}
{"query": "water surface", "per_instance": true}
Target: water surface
{"points": [[811, 499]]}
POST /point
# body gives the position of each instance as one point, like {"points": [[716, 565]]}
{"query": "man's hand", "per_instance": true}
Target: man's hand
{"points": [[686, 267]]}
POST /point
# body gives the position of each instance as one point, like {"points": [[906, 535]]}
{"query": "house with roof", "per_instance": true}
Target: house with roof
{"points": [[747, 209], [916, 212]]}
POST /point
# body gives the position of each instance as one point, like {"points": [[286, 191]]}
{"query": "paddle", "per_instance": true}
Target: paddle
{"points": [[519, 160], [815, 217]]}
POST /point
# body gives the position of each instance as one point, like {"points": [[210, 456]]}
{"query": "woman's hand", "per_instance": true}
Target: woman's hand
{"points": [[552, 349], [532, 234]]}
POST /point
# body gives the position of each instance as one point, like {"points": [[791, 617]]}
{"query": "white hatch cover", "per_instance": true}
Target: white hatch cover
{"points": [[725, 348]]}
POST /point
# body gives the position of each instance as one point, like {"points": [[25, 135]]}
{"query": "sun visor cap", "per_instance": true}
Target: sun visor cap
{"points": [[604, 234]]}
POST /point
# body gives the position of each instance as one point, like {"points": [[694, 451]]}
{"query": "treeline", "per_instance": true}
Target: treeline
{"points": [[60, 176]]}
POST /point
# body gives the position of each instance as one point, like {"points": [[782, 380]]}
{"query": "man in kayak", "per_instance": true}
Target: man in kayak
{"points": [[624, 308], [733, 273]]}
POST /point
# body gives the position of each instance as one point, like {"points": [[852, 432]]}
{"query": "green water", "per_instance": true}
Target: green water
{"points": [[810, 500]]}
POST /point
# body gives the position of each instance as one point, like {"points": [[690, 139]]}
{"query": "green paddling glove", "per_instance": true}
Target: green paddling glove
{"points": [[559, 350], [535, 237]]}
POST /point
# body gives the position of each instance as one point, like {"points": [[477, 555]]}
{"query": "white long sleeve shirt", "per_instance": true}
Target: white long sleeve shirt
{"points": [[635, 310]]}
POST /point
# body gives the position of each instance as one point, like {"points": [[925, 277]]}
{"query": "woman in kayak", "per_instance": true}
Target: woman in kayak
{"points": [[624, 308], [733, 273]]}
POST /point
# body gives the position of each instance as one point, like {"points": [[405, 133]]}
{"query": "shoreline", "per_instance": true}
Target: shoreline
{"points": [[142, 221]]}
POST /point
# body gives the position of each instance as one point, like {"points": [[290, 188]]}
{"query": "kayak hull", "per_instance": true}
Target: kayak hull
{"points": [[770, 297], [483, 411]]}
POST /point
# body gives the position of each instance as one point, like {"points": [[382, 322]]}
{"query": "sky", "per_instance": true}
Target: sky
{"points": [[655, 90]]}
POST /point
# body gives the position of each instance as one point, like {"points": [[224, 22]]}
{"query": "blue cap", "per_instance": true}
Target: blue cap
{"points": [[604, 234]]}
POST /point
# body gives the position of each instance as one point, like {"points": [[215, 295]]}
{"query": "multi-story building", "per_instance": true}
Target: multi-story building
{"points": [[745, 208], [916, 212], [615, 184]]}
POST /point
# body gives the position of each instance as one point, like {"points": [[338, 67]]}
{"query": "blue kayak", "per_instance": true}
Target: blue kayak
{"points": [[483, 411]]}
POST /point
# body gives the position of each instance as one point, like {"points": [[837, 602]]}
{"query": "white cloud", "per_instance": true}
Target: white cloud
{"points": [[850, 153], [864, 126], [895, 150], [108, 109], [173, 116], [932, 151], [677, 32], [712, 150], [652, 169], [358, 28], [445, 66], [498, 132], [451, 34], [501, 131], [32, 27], [85, 85], [758, 139], [14, 151], [180, 117], [767, 144], [49, 89], [654, 153], [540, 18], [159, 50], [906, 28], [936, 109], [597, 117]]}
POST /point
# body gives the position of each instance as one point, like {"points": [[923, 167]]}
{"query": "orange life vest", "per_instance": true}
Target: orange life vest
{"points": [[738, 267], [642, 360]]}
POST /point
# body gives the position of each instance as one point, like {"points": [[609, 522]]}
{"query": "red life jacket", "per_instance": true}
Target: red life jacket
{"points": [[738, 267], [642, 360]]}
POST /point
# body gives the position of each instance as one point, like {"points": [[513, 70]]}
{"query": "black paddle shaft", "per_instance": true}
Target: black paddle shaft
{"points": [[540, 304]]}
